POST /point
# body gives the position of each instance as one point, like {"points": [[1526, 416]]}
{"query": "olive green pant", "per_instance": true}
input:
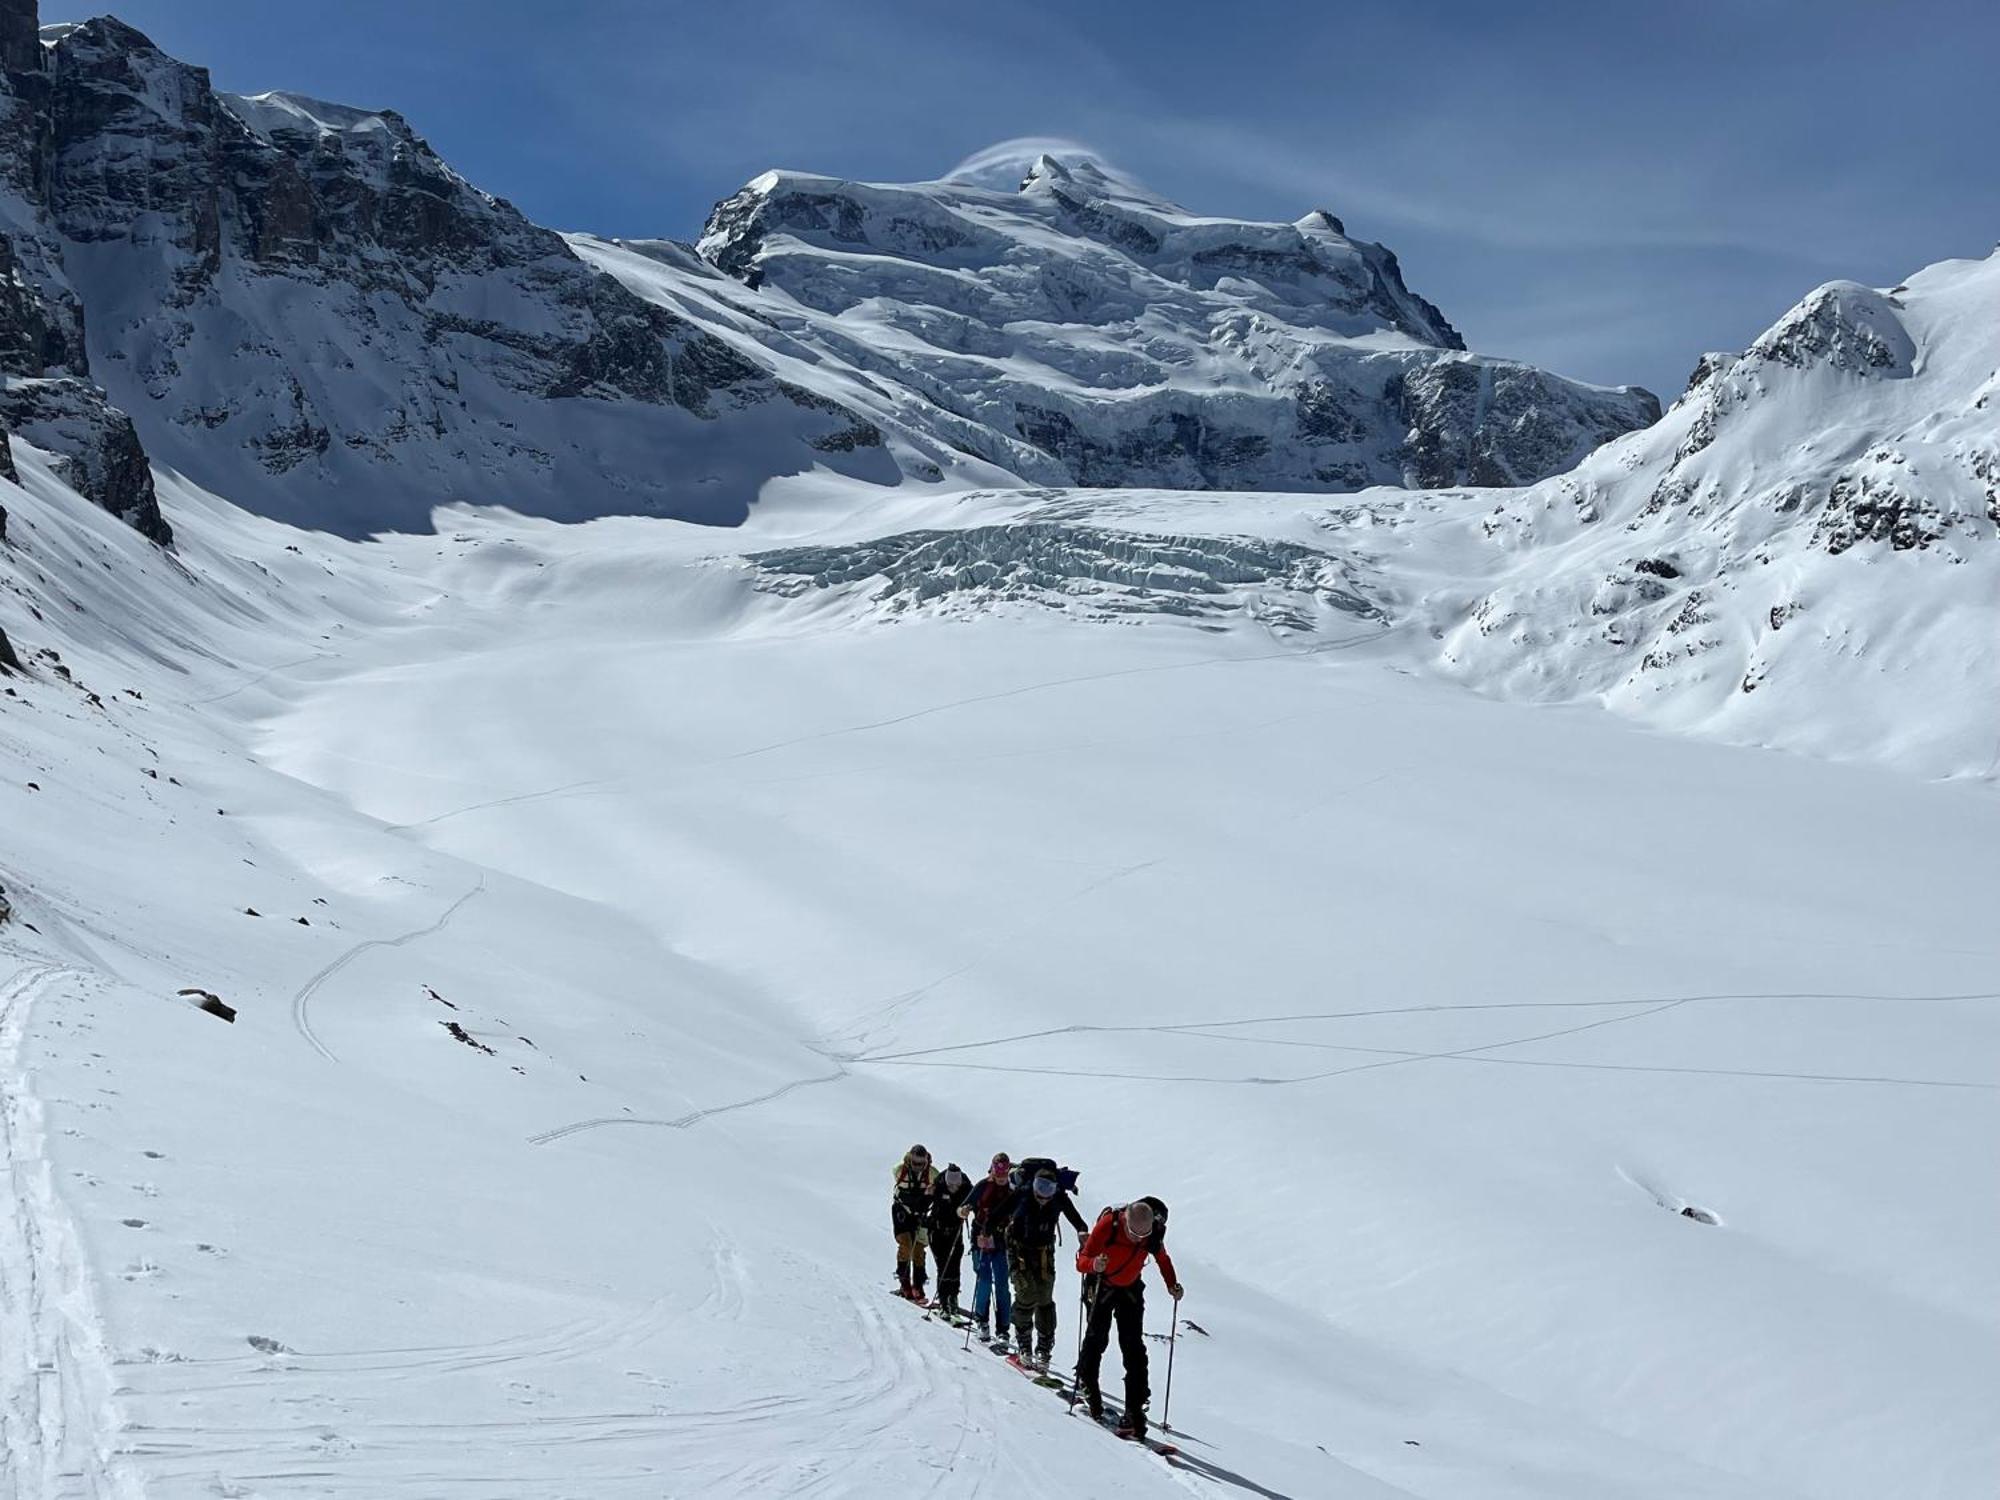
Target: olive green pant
{"points": [[1034, 1298]]}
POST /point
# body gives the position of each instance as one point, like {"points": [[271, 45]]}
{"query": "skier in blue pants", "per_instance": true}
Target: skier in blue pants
{"points": [[986, 1212]]}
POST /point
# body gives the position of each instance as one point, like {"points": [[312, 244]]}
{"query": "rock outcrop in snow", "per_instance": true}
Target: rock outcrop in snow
{"points": [[96, 447], [1082, 330]]}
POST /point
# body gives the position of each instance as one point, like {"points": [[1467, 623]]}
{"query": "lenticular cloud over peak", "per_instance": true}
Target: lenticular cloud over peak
{"points": [[1002, 165]]}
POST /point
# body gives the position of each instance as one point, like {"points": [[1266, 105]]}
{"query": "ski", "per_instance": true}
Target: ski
{"points": [[1040, 1377], [1109, 1423]]}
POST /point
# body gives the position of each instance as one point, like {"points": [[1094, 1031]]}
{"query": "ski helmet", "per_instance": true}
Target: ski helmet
{"points": [[1045, 1185], [1139, 1219]]}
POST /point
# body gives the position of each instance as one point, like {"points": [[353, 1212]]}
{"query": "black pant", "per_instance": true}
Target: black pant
{"points": [[1127, 1304], [949, 1249]]}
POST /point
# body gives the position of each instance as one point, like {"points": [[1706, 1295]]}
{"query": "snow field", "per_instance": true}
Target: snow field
{"points": [[1427, 1014]]}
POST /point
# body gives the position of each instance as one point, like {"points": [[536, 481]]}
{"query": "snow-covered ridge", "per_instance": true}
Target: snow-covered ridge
{"points": [[1803, 553], [1076, 328]]}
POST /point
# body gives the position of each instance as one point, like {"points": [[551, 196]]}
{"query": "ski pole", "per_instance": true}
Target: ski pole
{"points": [[1173, 1333], [1087, 1302]]}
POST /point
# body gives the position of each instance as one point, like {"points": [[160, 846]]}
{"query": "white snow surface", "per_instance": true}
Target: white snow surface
{"points": [[1134, 829]]}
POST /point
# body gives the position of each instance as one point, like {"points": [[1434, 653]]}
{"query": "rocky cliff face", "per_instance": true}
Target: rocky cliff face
{"points": [[305, 309], [46, 394], [1078, 329]]}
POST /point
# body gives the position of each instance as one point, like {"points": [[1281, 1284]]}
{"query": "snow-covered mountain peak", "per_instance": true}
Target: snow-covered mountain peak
{"points": [[1091, 177], [1074, 327], [1845, 325], [1803, 552]]}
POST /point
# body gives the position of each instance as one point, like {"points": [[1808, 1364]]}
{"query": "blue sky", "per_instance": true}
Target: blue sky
{"points": [[1605, 188]]}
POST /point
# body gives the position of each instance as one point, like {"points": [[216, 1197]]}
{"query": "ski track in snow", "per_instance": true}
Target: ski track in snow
{"points": [[839, 1416], [261, 677], [579, 788], [1397, 1056], [57, 1425], [693, 1117], [302, 1001]]}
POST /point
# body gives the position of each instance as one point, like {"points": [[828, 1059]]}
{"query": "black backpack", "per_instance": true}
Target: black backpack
{"points": [[1159, 1235], [1035, 1165]]}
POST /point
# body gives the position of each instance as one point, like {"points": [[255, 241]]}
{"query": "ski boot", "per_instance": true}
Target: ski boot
{"points": [[1093, 1402]]}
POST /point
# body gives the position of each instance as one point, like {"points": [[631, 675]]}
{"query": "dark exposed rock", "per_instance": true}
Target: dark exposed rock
{"points": [[1707, 368], [459, 1033], [1849, 327], [1486, 422], [44, 395], [10, 664], [20, 36], [213, 1004], [97, 451], [1871, 506]]}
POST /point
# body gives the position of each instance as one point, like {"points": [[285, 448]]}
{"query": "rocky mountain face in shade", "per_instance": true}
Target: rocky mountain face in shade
{"points": [[47, 394], [304, 308]]}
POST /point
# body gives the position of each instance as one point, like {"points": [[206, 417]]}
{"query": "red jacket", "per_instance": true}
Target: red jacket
{"points": [[1124, 1256]]}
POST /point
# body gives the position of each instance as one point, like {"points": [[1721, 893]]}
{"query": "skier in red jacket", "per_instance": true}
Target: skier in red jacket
{"points": [[1111, 1258]]}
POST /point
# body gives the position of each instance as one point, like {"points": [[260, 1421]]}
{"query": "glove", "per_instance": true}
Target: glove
{"points": [[1101, 1263], [965, 1213], [1175, 1291]]}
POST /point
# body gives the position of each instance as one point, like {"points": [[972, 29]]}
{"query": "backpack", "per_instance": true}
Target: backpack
{"points": [[1159, 1235], [1065, 1176]]}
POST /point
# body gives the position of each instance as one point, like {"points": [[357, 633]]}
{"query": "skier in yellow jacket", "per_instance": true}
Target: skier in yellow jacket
{"points": [[910, 1205]]}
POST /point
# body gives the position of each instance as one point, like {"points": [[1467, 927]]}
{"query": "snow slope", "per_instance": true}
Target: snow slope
{"points": [[1426, 1013]]}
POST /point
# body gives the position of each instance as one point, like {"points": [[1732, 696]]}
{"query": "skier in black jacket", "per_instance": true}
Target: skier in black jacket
{"points": [[948, 1234], [1031, 1255]]}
